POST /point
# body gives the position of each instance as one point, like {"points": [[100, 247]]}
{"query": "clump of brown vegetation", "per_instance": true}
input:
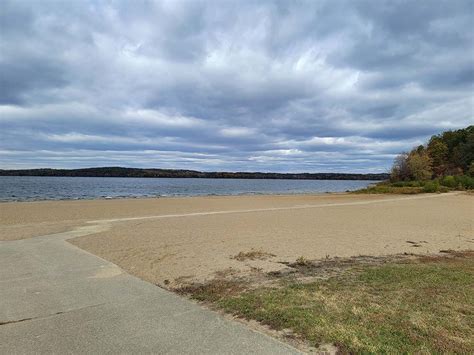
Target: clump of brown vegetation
{"points": [[214, 290], [302, 261], [252, 255]]}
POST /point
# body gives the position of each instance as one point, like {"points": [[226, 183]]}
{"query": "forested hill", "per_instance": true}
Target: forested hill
{"points": [[167, 173]]}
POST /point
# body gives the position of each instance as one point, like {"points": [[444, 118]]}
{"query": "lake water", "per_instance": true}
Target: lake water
{"points": [[28, 188]]}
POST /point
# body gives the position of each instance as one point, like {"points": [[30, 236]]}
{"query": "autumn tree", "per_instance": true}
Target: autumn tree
{"points": [[419, 164], [400, 169], [438, 152]]}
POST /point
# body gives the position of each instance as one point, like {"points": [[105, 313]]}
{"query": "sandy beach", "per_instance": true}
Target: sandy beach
{"points": [[174, 241]]}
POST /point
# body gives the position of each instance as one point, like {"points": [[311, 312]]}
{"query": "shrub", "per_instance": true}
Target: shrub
{"points": [[443, 189], [407, 184], [464, 181], [399, 184], [431, 186], [449, 181]]}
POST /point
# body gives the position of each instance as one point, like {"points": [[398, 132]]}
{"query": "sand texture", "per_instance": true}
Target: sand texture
{"points": [[174, 241]]}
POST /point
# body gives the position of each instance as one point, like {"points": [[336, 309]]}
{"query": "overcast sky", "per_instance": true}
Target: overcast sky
{"points": [[315, 86]]}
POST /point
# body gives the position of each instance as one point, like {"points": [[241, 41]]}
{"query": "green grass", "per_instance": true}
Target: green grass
{"points": [[412, 307], [406, 188], [388, 189], [445, 184]]}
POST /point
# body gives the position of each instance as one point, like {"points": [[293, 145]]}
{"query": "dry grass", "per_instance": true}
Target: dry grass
{"points": [[398, 305], [214, 290], [252, 255]]}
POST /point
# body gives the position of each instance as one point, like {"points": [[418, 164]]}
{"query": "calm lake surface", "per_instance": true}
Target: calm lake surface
{"points": [[29, 188]]}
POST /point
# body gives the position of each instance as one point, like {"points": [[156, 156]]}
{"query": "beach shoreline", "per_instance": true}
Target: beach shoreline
{"points": [[177, 196], [179, 240]]}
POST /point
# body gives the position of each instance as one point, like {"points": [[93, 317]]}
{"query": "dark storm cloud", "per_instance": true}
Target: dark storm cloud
{"points": [[244, 85]]}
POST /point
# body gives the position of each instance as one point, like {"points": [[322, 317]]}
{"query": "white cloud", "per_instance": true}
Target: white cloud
{"points": [[295, 86]]}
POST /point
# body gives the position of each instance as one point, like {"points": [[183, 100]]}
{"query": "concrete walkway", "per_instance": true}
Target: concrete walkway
{"points": [[56, 298]]}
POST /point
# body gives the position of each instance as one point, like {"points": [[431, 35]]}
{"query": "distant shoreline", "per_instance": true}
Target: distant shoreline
{"points": [[171, 173]]}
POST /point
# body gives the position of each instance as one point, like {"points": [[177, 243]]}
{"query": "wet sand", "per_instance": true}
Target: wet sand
{"points": [[173, 241]]}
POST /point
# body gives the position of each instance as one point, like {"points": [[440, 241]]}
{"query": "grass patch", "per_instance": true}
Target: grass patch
{"points": [[445, 184], [213, 291], [420, 306], [387, 189], [404, 188]]}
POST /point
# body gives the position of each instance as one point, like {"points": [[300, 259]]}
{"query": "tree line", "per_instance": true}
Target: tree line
{"points": [[449, 154], [170, 173]]}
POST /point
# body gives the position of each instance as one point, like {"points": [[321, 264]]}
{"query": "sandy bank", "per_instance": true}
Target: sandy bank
{"points": [[178, 240], [19, 220]]}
